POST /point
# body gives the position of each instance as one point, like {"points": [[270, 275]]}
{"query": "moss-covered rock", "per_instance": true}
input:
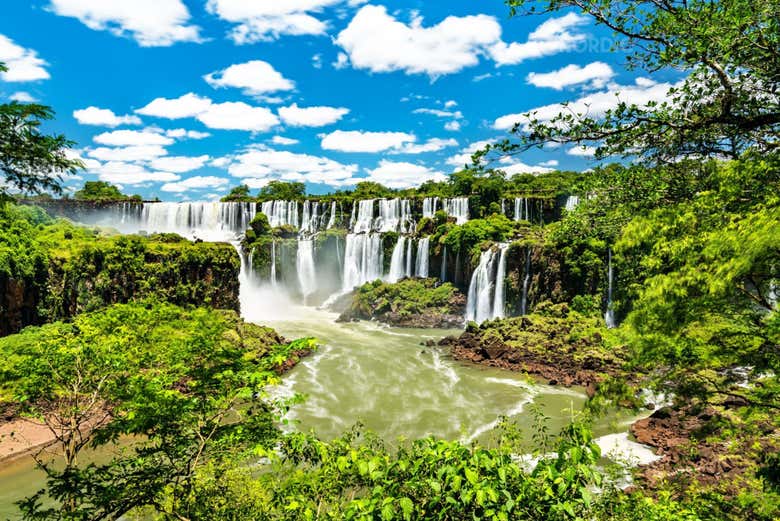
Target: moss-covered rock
{"points": [[408, 303], [557, 343]]}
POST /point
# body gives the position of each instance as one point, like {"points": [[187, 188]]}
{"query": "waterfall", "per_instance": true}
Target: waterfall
{"points": [[486, 290], [397, 271], [423, 251], [429, 206], [498, 298], [332, 220], [457, 276], [307, 276], [458, 208], [526, 283], [362, 259], [571, 203], [409, 271], [273, 263], [443, 272], [609, 316], [365, 216], [395, 215], [208, 221], [503, 206], [281, 213], [522, 209]]}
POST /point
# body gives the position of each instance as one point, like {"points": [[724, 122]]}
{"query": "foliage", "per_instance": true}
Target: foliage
{"points": [[468, 236], [411, 297], [371, 190], [31, 161], [102, 191], [260, 225], [185, 384], [280, 190], [726, 104], [238, 193]]}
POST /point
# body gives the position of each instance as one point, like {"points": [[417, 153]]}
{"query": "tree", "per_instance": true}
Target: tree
{"points": [[280, 190], [238, 193], [727, 101], [100, 191], [30, 161], [371, 190]]}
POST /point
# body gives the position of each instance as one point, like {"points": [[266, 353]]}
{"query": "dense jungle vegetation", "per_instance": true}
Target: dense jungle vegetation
{"points": [[177, 393]]}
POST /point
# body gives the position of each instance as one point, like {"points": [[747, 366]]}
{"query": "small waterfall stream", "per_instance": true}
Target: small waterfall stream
{"points": [[423, 250], [307, 276], [397, 271], [526, 283], [481, 303], [609, 315]]}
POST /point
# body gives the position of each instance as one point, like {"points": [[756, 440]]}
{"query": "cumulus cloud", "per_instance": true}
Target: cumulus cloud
{"points": [[452, 126], [593, 105], [22, 97], [103, 117], [195, 183], [464, 156], [311, 116], [439, 113], [179, 164], [238, 116], [132, 138], [259, 162], [582, 151], [23, 64], [403, 175], [180, 133], [597, 74], [447, 47], [254, 77], [359, 141], [281, 140], [432, 145], [152, 23], [551, 37], [128, 153], [123, 173], [267, 20], [186, 106], [517, 167]]}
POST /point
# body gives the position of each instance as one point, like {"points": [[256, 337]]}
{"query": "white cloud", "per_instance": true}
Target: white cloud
{"points": [[316, 61], [311, 116], [130, 174], [451, 45], [22, 97], [447, 47], [452, 126], [152, 23], [281, 140], [342, 61], [432, 145], [23, 64], [132, 138], [186, 106], [359, 141], [439, 113], [238, 116], [103, 117], [259, 162], [266, 20], [403, 175], [551, 162], [128, 153], [179, 164], [518, 167], [180, 133], [464, 157], [450, 104], [253, 77], [256, 183], [582, 151], [593, 105], [195, 183], [596, 73], [551, 37]]}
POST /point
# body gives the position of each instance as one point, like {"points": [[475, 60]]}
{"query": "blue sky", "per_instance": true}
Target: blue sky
{"points": [[182, 99]]}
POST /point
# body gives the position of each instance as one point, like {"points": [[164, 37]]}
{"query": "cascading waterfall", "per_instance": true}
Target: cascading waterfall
{"points": [[395, 215], [423, 251], [409, 271], [397, 271], [307, 277], [522, 209], [443, 271], [571, 203], [310, 221], [458, 208], [429, 206], [609, 316], [281, 213], [332, 220], [498, 298], [273, 263], [486, 290], [503, 206], [362, 259], [526, 283], [364, 220]]}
